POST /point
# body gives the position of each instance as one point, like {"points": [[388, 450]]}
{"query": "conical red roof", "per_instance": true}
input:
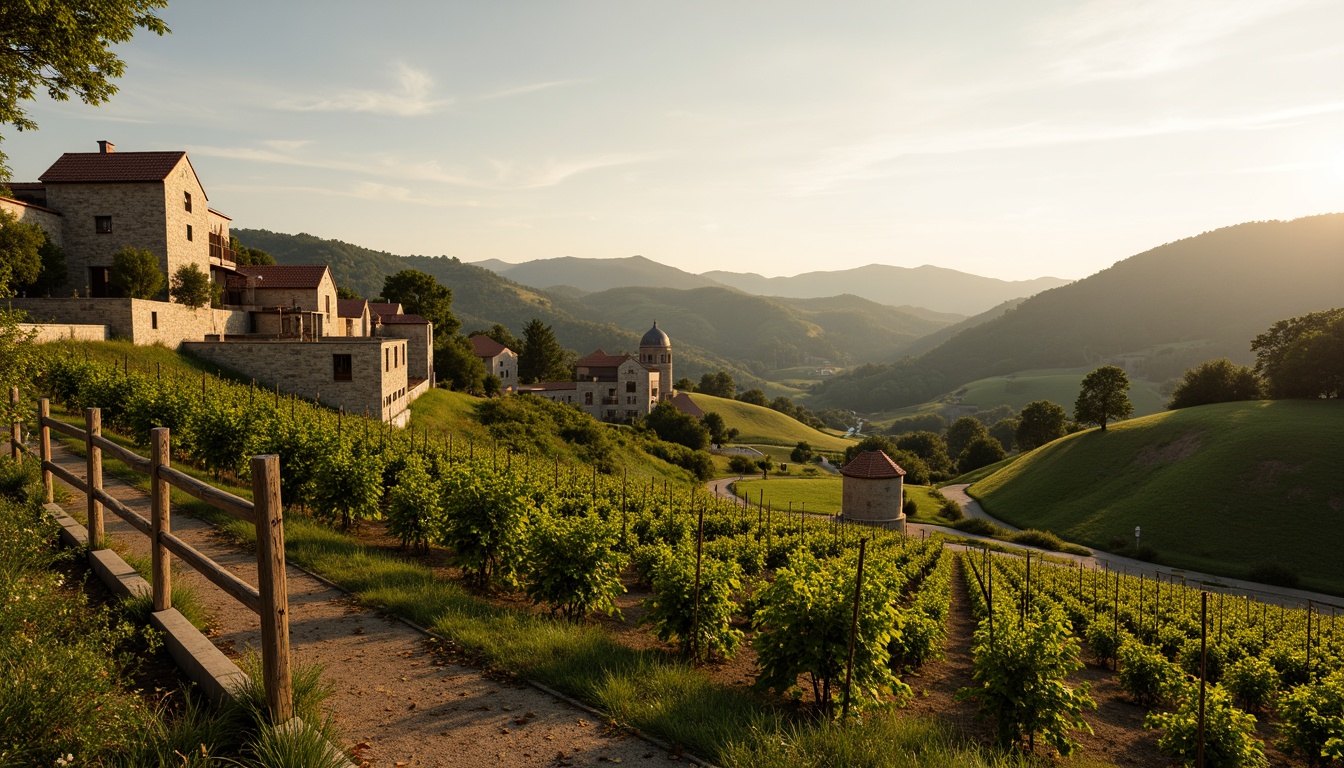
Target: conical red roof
{"points": [[872, 465]]}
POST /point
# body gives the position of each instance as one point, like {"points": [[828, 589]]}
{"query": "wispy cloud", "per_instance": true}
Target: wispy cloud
{"points": [[529, 88], [1118, 39], [503, 176], [873, 159], [411, 96], [364, 190]]}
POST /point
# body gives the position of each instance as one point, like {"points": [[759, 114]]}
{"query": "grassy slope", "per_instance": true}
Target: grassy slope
{"points": [[1218, 488], [1056, 385], [758, 424]]}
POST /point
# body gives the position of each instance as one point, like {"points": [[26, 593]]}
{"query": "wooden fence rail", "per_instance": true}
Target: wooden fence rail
{"points": [[269, 599]]}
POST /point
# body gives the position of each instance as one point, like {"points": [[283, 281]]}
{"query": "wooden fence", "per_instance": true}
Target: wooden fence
{"points": [[269, 599]]}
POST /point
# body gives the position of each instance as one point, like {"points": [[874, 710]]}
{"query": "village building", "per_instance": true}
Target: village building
{"points": [[282, 325], [617, 388], [498, 359], [873, 490]]}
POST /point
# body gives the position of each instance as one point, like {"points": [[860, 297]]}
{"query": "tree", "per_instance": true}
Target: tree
{"points": [[719, 433], [1215, 381], [754, 396], [916, 471], [672, 425], [765, 463], [192, 287], [1005, 431], [1041, 422], [457, 366], [135, 273], [982, 452], [962, 433], [53, 273], [244, 256], [801, 453], [65, 48], [1304, 356], [346, 293], [541, 358], [20, 251], [420, 294], [1102, 397], [718, 384], [684, 384], [741, 464], [1271, 347], [928, 446]]}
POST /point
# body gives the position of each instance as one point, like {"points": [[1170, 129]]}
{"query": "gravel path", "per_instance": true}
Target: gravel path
{"points": [[395, 702]]}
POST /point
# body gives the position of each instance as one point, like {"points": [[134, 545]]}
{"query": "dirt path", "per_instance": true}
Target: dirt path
{"points": [[394, 701]]}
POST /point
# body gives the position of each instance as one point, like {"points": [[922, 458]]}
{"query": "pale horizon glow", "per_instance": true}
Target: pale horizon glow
{"points": [[1013, 140]]}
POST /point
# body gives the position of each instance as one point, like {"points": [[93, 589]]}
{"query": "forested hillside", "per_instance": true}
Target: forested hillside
{"points": [[1158, 312], [770, 331]]}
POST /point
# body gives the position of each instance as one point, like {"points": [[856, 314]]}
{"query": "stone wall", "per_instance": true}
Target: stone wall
{"points": [[181, 248], [137, 221], [419, 346], [49, 221], [142, 321], [307, 370], [64, 332], [874, 501]]}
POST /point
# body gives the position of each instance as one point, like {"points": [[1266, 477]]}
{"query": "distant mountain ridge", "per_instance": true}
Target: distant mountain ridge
{"points": [[937, 288], [1157, 313], [934, 288]]}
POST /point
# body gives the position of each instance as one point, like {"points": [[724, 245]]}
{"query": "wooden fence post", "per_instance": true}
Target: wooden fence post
{"points": [[161, 561], [853, 630], [44, 444], [271, 584], [15, 431], [93, 425]]}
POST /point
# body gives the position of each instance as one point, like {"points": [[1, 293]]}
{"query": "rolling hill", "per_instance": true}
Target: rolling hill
{"points": [[598, 274], [938, 288], [1156, 313], [1218, 488], [760, 425]]}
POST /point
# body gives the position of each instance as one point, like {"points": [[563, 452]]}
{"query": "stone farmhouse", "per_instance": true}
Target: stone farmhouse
{"points": [[617, 388], [282, 325], [499, 360]]}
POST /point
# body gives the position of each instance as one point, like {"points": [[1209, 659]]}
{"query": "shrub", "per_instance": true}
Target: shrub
{"points": [[803, 629], [909, 508], [979, 526], [1312, 719], [1229, 740], [1023, 685], [1144, 673], [414, 510], [1252, 682], [1103, 641], [1215, 660], [575, 566], [192, 287], [916, 640], [672, 606], [485, 521], [135, 273], [951, 510], [1275, 574], [741, 464], [351, 486], [1034, 538]]}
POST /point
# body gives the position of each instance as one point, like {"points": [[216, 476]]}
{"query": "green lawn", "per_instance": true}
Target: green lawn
{"points": [[1219, 488], [1056, 385], [822, 494], [757, 424]]}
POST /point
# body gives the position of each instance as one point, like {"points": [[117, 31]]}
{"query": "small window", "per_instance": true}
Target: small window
{"points": [[387, 360], [328, 298], [186, 201], [587, 398], [102, 225], [342, 369], [154, 320], [629, 386], [188, 231]]}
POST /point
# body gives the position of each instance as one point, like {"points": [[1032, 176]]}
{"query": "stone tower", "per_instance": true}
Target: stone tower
{"points": [[655, 352], [873, 490]]}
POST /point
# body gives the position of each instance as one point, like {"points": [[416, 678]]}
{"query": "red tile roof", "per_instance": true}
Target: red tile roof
{"points": [[403, 320], [382, 308], [286, 276], [600, 359], [872, 465], [111, 167], [484, 346], [351, 307]]}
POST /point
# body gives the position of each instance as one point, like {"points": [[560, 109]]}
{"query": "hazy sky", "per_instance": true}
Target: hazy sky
{"points": [[1013, 139]]}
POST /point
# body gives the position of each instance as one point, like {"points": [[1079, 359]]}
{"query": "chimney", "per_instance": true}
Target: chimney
{"points": [[106, 147]]}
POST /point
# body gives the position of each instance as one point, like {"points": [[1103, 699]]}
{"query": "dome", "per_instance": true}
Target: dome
{"points": [[655, 338]]}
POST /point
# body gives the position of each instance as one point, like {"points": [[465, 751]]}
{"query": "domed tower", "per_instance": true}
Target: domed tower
{"points": [[655, 352]]}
